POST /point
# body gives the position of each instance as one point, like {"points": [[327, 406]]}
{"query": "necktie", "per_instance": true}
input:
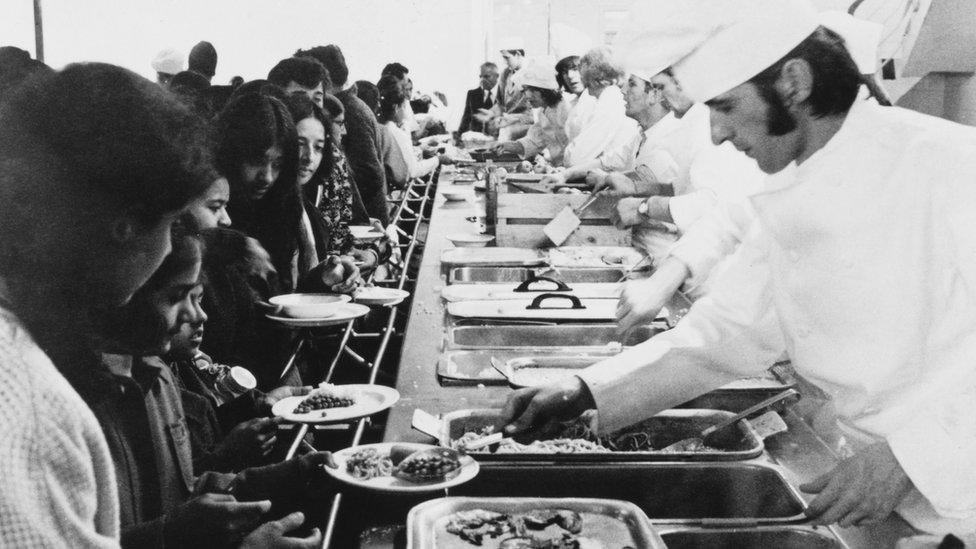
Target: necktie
{"points": [[487, 100]]}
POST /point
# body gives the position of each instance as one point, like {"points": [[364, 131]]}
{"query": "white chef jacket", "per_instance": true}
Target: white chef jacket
{"points": [[646, 153], [549, 131], [862, 265], [605, 127], [415, 167]]}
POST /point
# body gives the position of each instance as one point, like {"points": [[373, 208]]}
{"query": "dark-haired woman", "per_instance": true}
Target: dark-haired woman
{"points": [[392, 115], [258, 152], [328, 201], [541, 89]]}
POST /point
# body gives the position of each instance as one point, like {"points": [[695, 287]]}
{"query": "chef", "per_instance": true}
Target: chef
{"points": [[702, 253], [511, 114], [538, 82], [861, 264]]}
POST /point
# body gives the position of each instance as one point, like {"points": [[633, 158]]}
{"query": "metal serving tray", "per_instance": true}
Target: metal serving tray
{"points": [[712, 494], [794, 537], [663, 429], [578, 336], [474, 367], [614, 523], [516, 275]]}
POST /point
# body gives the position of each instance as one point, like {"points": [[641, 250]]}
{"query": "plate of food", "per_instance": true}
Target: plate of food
{"points": [[336, 403], [515, 523], [402, 467]]}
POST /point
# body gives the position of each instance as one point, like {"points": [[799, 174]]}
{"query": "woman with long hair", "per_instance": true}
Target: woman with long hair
{"points": [[258, 152]]}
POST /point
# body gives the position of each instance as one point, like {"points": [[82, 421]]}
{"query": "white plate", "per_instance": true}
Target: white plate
{"points": [[375, 295], [349, 311], [369, 400], [456, 196], [469, 469], [365, 233]]}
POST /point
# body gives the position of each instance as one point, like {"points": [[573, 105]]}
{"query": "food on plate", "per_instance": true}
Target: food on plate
{"points": [[432, 465], [501, 172], [324, 397], [539, 169], [534, 529], [405, 462], [524, 167], [368, 463]]}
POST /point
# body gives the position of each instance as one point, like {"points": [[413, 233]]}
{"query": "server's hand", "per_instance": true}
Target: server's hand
{"points": [[274, 534], [625, 213], [640, 302], [535, 407], [613, 184], [862, 489]]}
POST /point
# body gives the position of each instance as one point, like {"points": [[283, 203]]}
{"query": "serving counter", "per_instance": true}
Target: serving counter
{"points": [[376, 520]]}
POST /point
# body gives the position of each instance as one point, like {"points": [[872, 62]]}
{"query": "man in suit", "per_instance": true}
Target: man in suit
{"points": [[485, 96]]}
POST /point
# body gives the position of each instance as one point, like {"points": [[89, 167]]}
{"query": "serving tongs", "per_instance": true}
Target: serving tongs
{"points": [[717, 435], [430, 425]]}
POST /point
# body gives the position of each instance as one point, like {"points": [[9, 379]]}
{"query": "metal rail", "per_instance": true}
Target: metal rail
{"points": [[423, 199]]}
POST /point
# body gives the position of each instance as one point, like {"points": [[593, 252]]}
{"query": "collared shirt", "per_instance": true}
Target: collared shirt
{"points": [[646, 154], [549, 132], [862, 265]]}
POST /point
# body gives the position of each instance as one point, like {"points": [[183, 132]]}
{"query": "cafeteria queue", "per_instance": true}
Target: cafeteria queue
{"points": [[146, 228]]}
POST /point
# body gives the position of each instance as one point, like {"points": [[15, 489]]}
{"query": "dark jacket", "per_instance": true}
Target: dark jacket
{"points": [[237, 330], [472, 102], [361, 146], [133, 413]]}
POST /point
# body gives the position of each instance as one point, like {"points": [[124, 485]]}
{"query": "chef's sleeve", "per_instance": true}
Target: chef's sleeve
{"points": [[711, 239], [601, 131], [536, 139], [936, 447], [731, 333]]}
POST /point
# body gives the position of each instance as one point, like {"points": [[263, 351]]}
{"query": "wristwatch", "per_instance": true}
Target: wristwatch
{"points": [[642, 208]]}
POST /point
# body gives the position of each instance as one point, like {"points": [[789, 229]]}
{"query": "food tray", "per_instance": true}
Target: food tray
{"points": [[614, 523], [554, 307], [474, 367], [528, 289], [794, 537], [494, 256], [667, 427], [566, 256], [517, 275], [711, 494], [579, 337]]}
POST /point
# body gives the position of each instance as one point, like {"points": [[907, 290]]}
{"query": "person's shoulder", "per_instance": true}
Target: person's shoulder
{"points": [[32, 390]]}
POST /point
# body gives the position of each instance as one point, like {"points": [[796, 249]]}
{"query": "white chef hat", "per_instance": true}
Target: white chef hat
{"points": [[659, 33], [567, 41], [748, 37], [169, 61], [509, 43], [861, 37], [538, 72]]}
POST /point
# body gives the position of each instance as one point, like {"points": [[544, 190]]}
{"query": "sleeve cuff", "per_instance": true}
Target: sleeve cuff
{"points": [[688, 208]]}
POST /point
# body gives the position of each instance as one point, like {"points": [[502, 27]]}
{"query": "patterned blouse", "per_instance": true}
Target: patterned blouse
{"points": [[336, 203]]}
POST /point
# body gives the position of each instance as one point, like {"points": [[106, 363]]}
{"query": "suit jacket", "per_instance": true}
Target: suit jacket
{"points": [[473, 102]]}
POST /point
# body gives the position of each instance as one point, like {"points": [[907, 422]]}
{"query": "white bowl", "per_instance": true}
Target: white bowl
{"points": [[456, 196], [310, 305], [462, 240]]}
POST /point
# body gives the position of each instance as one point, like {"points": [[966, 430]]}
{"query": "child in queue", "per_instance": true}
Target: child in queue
{"points": [[163, 502]]}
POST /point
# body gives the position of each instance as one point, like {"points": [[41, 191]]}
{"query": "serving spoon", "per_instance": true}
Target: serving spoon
{"points": [[715, 433]]}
